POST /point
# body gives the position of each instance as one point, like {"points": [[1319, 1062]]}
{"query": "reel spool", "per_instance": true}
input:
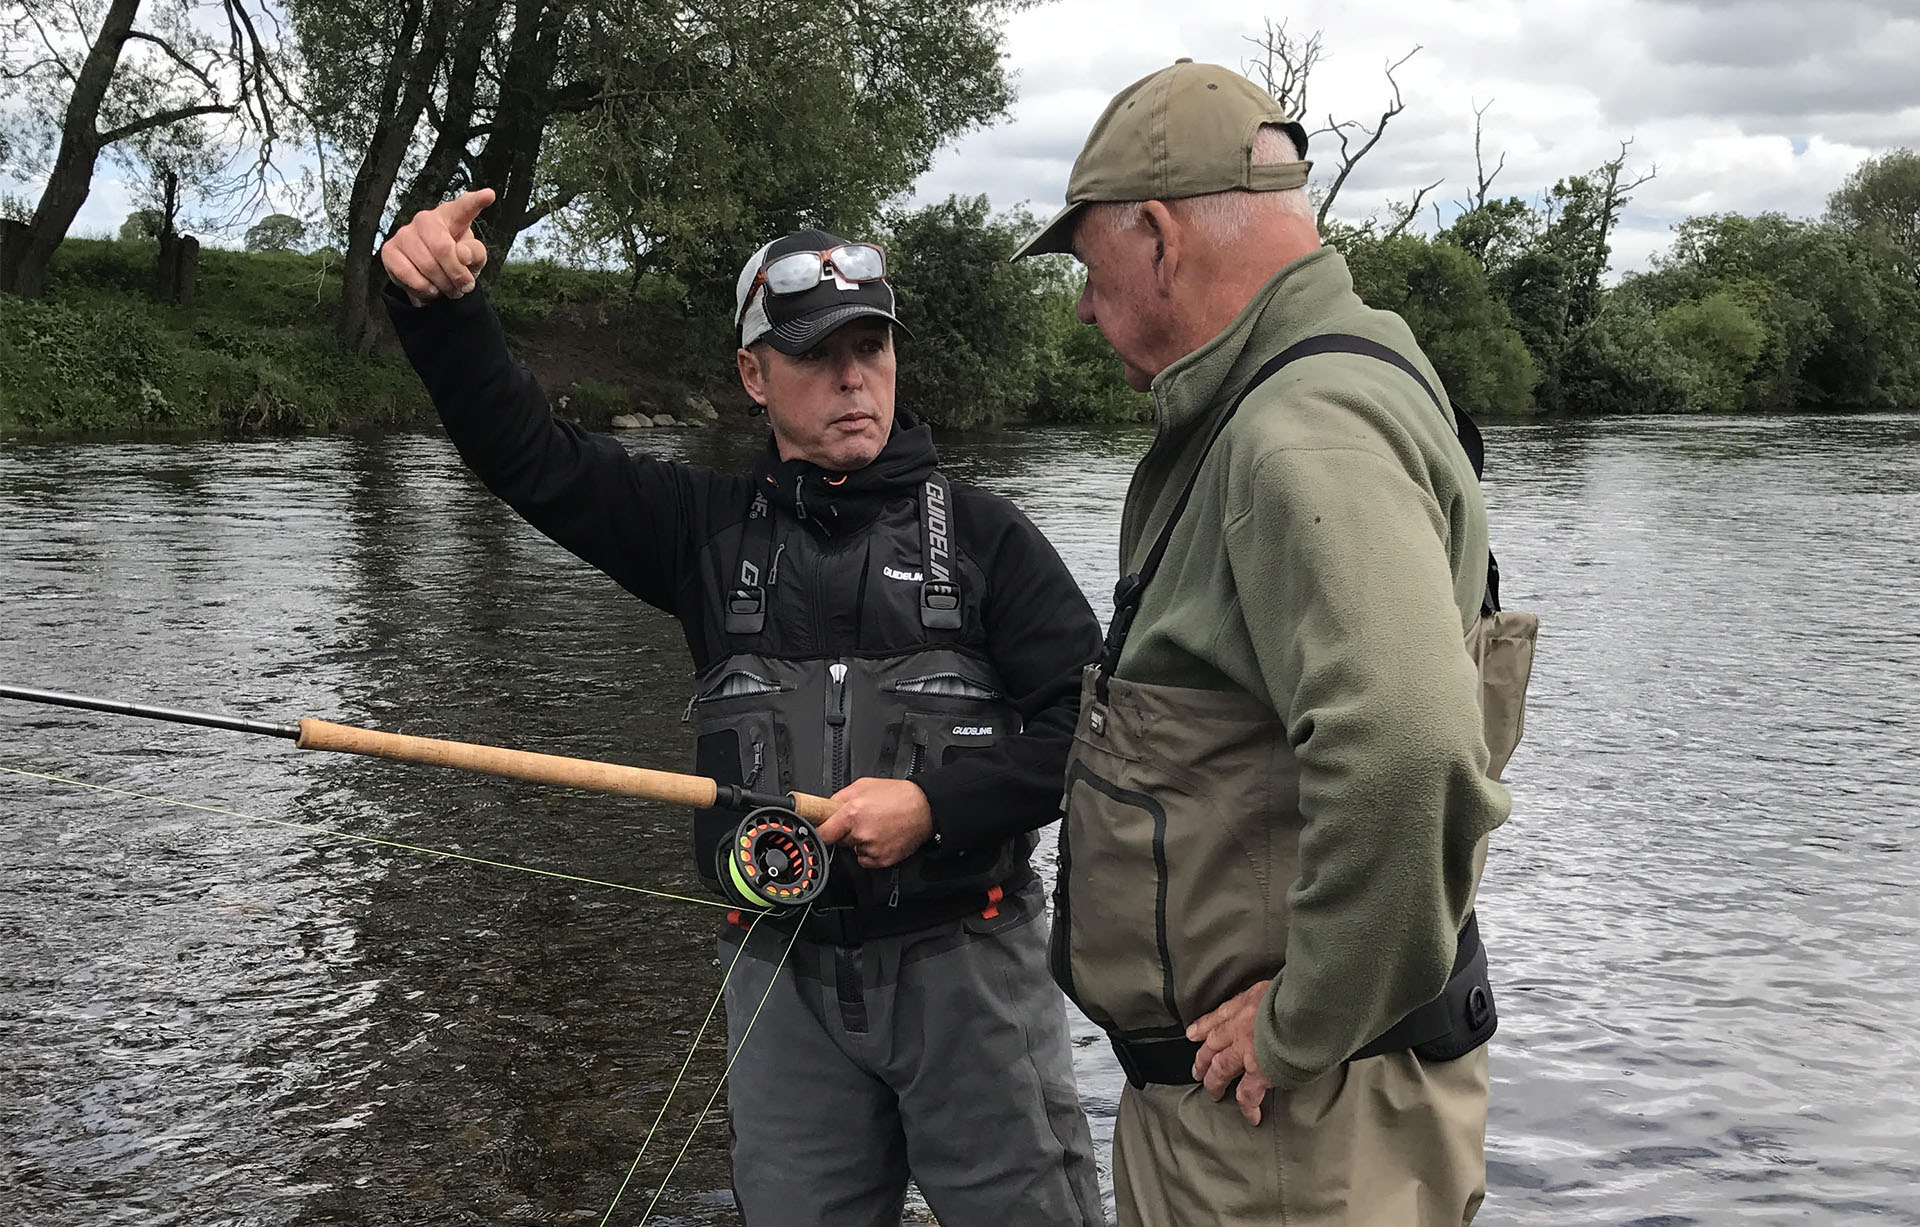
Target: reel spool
{"points": [[775, 861]]}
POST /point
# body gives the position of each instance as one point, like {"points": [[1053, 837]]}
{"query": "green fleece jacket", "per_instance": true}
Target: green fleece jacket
{"points": [[1333, 555]]}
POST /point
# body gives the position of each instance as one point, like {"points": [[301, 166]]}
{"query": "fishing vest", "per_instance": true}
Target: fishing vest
{"points": [[1173, 879], [774, 719]]}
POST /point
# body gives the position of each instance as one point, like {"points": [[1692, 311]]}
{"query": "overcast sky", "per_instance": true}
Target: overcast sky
{"points": [[1743, 105]]}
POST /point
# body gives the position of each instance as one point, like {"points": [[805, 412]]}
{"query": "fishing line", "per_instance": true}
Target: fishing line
{"points": [[678, 1078], [746, 1034], [811, 886], [311, 829]]}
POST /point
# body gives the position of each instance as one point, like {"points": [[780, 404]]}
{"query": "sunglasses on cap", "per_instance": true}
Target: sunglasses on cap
{"points": [[800, 271]]}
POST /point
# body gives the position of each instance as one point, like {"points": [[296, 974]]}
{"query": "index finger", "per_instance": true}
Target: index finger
{"points": [[462, 209]]}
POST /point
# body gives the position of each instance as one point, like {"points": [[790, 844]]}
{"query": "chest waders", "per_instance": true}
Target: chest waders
{"points": [[1203, 787], [772, 721]]}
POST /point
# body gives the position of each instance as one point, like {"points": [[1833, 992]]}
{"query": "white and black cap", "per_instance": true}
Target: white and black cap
{"points": [[795, 323]]}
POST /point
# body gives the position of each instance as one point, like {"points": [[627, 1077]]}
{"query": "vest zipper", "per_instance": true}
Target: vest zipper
{"points": [[838, 767]]}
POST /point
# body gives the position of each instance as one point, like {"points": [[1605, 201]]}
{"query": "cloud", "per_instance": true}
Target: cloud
{"points": [[1743, 105]]}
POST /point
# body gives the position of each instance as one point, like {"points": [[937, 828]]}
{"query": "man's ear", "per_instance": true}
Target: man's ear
{"points": [[753, 374], [1167, 242]]}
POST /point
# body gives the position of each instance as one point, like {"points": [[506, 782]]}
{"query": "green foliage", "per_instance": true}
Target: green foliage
{"points": [[1080, 377], [1495, 234], [1880, 201], [1621, 365], [142, 226], [692, 158], [1443, 294], [993, 341], [1840, 321], [1718, 340], [972, 314], [596, 400], [252, 355], [276, 232]]}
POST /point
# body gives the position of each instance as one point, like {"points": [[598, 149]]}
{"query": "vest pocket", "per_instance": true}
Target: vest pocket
{"points": [[1109, 946], [743, 748], [924, 740]]}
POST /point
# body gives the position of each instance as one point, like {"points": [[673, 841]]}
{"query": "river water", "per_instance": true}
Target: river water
{"points": [[1704, 916]]}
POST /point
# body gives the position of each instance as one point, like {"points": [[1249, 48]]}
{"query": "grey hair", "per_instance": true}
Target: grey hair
{"points": [[1225, 216]]}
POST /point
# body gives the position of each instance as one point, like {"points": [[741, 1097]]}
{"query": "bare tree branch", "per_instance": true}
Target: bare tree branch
{"points": [[1405, 214], [52, 50], [1286, 65], [1350, 160], [1483, 180], [9, 74], [198, 72], [539, 212], [161, 120]]}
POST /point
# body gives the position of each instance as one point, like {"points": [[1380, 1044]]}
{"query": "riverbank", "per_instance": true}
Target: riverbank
{"points": [[255, 353]]}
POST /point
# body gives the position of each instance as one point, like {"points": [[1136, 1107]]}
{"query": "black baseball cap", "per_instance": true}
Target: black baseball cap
{"points": [[795, 323]]}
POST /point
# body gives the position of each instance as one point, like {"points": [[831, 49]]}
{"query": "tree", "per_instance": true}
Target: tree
{"points": [[706, 145], [671, 135], [141, 226], [91, 80], [276, 232], [368, 69], [1881, 199], [974, 314], [1553, 282], [1719, 340], [1841, 318], [1461, 325], [1285, 69]]}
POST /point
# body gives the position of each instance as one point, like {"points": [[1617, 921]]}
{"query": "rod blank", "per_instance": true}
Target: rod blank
{"points": [[232, 723]]}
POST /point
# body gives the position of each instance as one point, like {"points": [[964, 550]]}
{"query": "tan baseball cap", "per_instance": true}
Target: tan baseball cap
{"points": [[1187, 130]]}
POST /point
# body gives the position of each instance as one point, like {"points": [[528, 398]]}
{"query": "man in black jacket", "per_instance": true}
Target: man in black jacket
{"points": [[861, 628]]}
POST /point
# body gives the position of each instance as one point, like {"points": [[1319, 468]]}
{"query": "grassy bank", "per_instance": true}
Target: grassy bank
{"points": [[255, 351]]}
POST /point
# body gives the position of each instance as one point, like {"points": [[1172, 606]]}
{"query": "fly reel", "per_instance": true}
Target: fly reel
{"points": [[775, 861]]}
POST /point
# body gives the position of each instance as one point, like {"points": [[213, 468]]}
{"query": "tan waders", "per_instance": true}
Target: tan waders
{"points": [[1188, 798], [1180, 844], [1391, 1141]]}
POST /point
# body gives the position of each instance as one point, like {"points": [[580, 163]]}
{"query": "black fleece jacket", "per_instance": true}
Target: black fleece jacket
{"points": [[643, 521]]}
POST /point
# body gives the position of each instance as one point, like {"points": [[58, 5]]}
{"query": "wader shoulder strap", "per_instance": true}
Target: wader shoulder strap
{"points": [[1128, 592], [746, 609], [1464, 427], [939, 578], [940, 605]]}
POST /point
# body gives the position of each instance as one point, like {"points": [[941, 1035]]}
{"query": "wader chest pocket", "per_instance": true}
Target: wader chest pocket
{"points": [[737, 738], [1109, 946], [947, 715], [926, 740], [740, 748]]}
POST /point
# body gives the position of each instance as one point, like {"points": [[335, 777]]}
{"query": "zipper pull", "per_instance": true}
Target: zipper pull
{"points": [[893, 900], [686, 717], [837, 694]]}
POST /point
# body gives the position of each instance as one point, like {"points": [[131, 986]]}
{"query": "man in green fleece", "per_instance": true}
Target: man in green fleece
{"points": [[1286, 766]]}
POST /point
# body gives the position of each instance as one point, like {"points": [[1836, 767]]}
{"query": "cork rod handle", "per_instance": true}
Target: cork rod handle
{"points": [[668, 786]]}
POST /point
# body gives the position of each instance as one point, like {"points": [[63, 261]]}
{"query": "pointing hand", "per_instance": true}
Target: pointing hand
{"points": [[435, 255]]}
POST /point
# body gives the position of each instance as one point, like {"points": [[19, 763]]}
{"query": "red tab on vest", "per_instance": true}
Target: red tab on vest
{"points": [[994, 896]]}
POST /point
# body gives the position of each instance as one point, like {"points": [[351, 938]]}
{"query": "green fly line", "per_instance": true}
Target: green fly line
{"points": [[684, 1065], [311, 829], [692, 1049]]}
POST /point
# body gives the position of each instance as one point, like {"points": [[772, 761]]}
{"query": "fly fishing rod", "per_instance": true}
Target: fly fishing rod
{"points": [[776, 859]]}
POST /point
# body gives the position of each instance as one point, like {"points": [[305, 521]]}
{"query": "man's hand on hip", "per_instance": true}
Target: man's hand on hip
{"points": [[1226, 1051], [881, 821], [435, 255]]}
